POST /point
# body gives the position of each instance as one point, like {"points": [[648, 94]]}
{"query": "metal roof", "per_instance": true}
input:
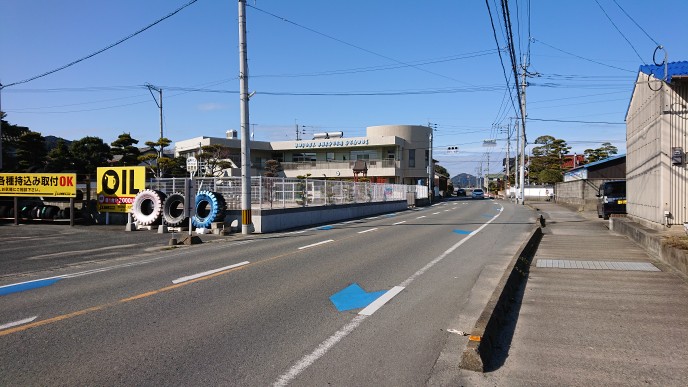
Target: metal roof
{"points": [[598, 162], [673, 69]]}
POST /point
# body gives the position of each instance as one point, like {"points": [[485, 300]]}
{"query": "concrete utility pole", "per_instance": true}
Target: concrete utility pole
{"points": [[246, 224], [508, 160], [524, 83], [159, 104], [517, 170]]}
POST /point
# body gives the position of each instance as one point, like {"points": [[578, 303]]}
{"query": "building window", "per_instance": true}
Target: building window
{"points": [[391, 154], [329, 156], [427, 157], [412, 158], [303, 157], [278, 156]]}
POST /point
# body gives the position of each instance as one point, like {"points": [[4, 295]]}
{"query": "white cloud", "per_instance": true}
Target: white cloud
{"points": [[211, 106]]}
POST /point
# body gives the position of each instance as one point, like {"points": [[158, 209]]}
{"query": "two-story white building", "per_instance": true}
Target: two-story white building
{"points": [[397, 154]]}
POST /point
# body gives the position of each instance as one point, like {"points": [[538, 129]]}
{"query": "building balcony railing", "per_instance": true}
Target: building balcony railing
{"points": [[349, 164]]}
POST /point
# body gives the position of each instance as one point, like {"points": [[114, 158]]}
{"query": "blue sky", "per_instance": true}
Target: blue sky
{"points": [[416, 61]]}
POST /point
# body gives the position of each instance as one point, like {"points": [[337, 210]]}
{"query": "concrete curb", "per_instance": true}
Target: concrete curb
{"points": [[485, 335], [651, 240]]}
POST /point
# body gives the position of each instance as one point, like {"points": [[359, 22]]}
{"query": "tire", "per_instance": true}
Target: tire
{"points": [[210, 207], [36, 212], [50, 212], [606, 216], [173, 210], [147, 207]]}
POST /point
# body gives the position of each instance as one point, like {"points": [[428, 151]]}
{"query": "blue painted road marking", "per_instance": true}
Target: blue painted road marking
{"points": [[16, 288], [354, 297], [325, 228], [462, 232]]}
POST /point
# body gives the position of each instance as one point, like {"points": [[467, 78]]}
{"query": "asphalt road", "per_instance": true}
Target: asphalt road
{"points": [[134, 317]]}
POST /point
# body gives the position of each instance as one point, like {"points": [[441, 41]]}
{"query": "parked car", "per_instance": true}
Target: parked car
{"points": [[460, 192], [478, 194], [611, 198]]}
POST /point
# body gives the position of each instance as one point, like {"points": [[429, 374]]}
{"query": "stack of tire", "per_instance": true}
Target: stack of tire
{"points": [[151, 206], [35, 211]]}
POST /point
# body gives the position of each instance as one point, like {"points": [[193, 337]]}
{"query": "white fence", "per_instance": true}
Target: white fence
{"points": [[277, 192]]}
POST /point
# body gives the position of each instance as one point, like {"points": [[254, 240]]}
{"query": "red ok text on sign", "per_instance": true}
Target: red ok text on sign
{"points": [[66, 181]]}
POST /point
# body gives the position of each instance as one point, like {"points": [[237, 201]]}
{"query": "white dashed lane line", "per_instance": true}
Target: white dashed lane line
{"points": [[316, 244], [206, 273]]}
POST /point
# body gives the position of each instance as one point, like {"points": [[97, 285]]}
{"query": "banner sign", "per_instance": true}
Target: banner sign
{"points": [[38, 184], [117, 187]]}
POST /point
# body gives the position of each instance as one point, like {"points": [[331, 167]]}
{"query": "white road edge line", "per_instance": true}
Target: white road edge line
{"points": [[394, 224], [316, 244], [330, 342], [421, 217], [383, 299], [368, 230], [15, 323], [209, 272], [322, 349]]}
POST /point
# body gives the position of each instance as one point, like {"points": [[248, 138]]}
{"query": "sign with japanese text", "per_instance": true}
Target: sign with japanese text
{"points": [[117, 187], [38, 184]]}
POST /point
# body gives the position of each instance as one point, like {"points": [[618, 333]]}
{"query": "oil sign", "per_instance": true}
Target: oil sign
{"points": [[117, 187], [38, 184]]}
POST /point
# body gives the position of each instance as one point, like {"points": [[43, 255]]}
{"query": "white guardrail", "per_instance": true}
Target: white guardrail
{"points": [[278, 192]]}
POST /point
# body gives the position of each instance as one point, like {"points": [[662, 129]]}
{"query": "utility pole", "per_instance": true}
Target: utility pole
{"points": [[524, 83], [159, 104], [508, 160], [246, 224], [297, 130], [487, 175], [517, 170], [431, 167]]}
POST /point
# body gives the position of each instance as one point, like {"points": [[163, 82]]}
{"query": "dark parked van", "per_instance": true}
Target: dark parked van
{"points": [[611, 198]]}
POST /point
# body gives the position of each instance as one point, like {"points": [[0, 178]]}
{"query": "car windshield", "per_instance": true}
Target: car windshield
{"points": [[478, 191], [615, 189]]}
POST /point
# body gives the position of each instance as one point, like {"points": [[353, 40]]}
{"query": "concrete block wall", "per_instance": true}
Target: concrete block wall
{"points": [[580, 194], [265, 221]]}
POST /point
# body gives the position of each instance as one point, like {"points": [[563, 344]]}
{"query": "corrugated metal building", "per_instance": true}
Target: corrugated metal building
{"points": [[656, 142]]}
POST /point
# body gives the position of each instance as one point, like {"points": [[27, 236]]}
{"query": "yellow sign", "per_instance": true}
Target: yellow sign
{"points": [[38, 184], [117, 187]]}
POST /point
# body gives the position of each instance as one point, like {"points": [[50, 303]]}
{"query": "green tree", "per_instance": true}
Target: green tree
{"points": [[157, 163], [177, 167], [601, 153], [547, 158], [10, 138], [59, 158], [89, 153], [31, 151], [125, 146], [272, 168], [216, 159]]}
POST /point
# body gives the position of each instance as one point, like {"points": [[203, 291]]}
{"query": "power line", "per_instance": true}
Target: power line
{"points": [[499, 50], [578, 122], [622, 34], [101, 50], [353, 45], [580, 57], [638, 25]]}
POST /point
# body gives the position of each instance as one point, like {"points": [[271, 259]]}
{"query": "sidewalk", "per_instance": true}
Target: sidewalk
{"points": [[596, 310]]}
